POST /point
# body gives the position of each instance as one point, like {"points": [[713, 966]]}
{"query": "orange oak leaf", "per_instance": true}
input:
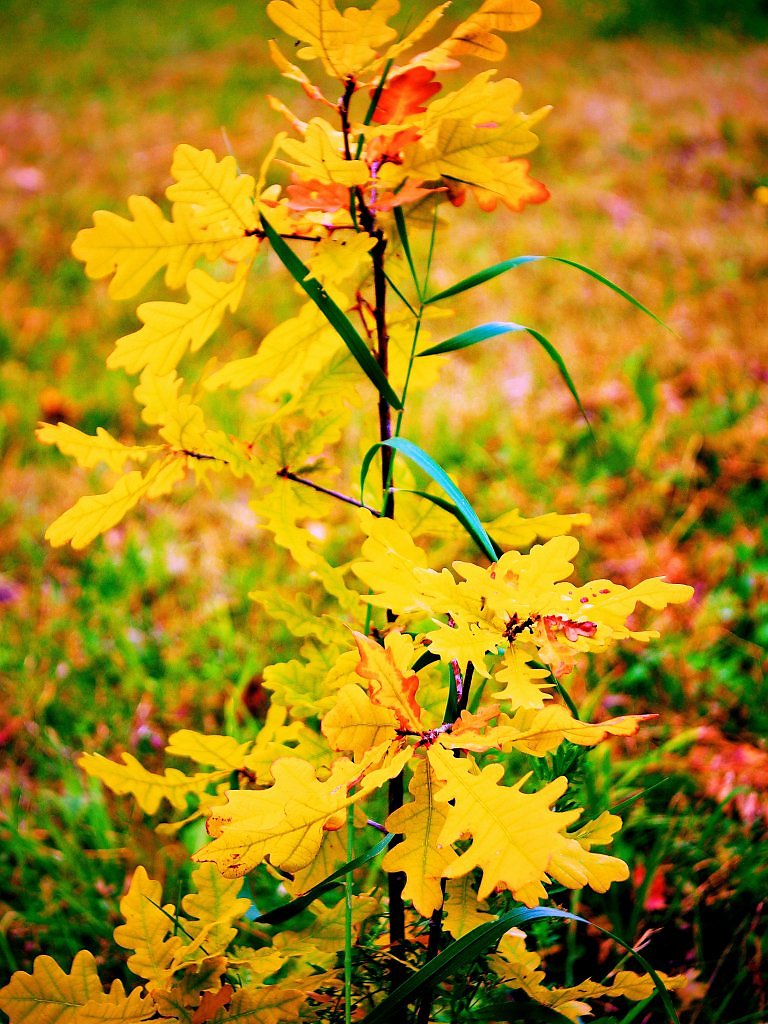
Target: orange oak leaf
{"points": [[409, 193], [405, 95], [390, 685], [317, 195], [211, 1003], [389, 148]]}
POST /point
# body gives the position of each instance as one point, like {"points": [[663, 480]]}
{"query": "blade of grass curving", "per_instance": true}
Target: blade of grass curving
{"points": [[412, 451], [481, 277], [332, 313], [289, 910], [402, 231], [475, 943], [629, 800], [455, 511], [400, 295], [613, 286], [492, 330], [501, 268]]}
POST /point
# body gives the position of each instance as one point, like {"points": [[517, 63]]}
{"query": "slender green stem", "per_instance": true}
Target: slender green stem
{"points": [[348, 893]]}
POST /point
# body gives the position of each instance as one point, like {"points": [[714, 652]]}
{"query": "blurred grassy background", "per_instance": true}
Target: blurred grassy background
{"points": [[653, 153]]}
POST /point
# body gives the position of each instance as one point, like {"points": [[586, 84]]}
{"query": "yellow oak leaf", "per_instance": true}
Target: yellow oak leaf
{"points": [[610, 603], [334, 386], [574, 865], [287, 356], [157, 393], [279, 737], [215, 189], [356, 723], [462, 912], [119, 1008], [184, 427], [389, 558], [147, 929], [271, 1004], [537, 732], [425, 26], [94, 514], [379, 765], [392, 684], [540, 731], [464, 642], [599, 832], [284, 822], [331, 855], [520, 968], [511, 530], [319, 156], [304, 686], [148, 789], [297, 611], [89, 450], [189, 982], [515, 835], [344, 43], [341, 256], [292, 71], [525, 684], [170, 328], [418, 854], [49, 995], [472, 153], [475, 36], [480, 101], [213, 908], [222, 752], [134, 250]]}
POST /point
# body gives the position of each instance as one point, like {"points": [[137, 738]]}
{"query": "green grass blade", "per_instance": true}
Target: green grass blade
{"points": [[492, 330], [501, 268], [402, 231], [481, 277], [474, 944], [335, 316], [456, 512], [468, 518], [289, 910], [614, 288]]}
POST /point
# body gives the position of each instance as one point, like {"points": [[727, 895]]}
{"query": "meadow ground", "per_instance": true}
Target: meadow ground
{"points": [[653, 154]]}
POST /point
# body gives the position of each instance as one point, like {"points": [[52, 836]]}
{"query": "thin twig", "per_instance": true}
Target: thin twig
{"points": [[286, 474]]}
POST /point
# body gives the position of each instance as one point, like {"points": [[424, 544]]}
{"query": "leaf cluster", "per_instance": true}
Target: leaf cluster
{"points": [[446, 677]]}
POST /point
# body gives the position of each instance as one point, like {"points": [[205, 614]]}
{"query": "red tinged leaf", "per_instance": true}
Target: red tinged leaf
{"points": [[390, 684], [317, 195], [406, 94], [211, 1003], [409, 193], [381, 148]]}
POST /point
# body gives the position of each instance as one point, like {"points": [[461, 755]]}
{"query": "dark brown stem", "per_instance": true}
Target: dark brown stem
{"points": [[367, 220], [286, 474], [259, 233], [433, 948], [464, 698]]}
